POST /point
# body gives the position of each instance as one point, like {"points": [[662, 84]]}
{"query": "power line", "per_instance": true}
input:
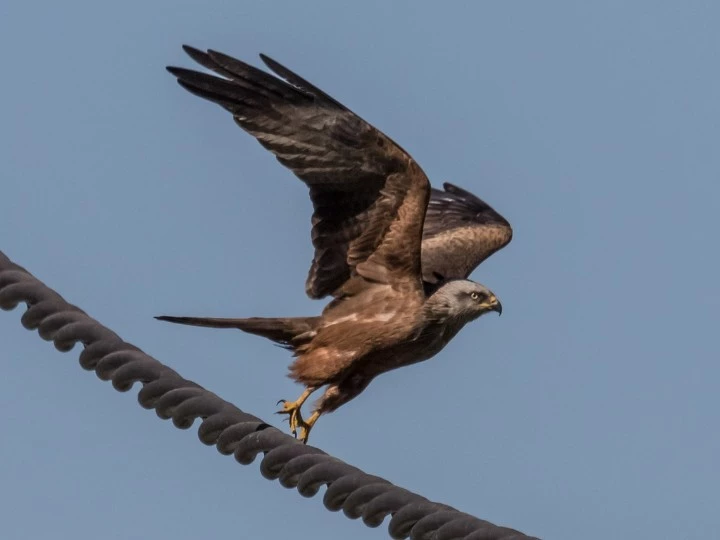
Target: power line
{"points": [[232, 430]]}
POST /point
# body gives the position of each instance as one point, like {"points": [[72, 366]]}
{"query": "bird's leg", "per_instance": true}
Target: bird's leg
{"points": [[292, 409], [305, 427], [335, 395]]}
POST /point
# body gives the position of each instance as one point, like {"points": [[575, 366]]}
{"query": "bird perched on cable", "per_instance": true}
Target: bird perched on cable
{"points": [[392, 253]]}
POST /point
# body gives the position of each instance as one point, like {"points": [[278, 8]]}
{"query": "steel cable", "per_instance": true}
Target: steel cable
{"points": [[232, 431]]}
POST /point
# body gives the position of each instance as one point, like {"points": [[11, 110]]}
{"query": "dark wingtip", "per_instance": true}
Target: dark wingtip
{"points": [[190, 50], [201, 57], [457, 190], [269, 62], [278, 69]]}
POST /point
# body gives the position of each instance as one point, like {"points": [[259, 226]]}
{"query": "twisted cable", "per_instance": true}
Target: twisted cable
{"points": [[231, 430]]}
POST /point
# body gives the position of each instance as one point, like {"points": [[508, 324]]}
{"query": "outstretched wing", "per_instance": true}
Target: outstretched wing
{"points": [[460, 232], [368, 194]]}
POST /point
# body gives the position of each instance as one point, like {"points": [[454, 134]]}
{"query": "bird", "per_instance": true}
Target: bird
{"points": [[392, 253]]}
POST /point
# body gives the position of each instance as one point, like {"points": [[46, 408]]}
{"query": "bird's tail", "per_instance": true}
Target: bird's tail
{"points": [[290, 332]]}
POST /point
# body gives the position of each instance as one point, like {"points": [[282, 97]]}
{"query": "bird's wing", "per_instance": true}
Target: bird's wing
{"points": [[368, 194], [460, 232]]}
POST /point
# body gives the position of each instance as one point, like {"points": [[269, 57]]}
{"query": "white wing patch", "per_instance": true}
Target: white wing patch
{"points": [[384, 316]]}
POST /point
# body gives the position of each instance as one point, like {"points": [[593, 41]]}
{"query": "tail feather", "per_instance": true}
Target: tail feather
{"points": [[287, 331]]}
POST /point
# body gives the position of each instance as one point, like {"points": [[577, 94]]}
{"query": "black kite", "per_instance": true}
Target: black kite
{"points": [[393, 253]]}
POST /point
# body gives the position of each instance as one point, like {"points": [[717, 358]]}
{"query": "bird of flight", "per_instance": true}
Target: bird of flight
{"points": [[393, 253]]}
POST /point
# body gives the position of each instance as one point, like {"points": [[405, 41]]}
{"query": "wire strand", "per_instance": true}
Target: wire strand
{"points": [[231, 430]]}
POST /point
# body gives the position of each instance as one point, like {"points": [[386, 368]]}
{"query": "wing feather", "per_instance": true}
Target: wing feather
{"points": [[460, 232], [368, 194]]}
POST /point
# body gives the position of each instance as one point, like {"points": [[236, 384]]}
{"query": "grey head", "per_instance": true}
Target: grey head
{"points": [[461, 301]]}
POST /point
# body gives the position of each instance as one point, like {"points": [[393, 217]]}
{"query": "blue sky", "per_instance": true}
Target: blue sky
{"points": [[589, 409]]}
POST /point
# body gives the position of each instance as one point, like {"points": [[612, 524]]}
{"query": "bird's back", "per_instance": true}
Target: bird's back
{"points": [[354, 329]]}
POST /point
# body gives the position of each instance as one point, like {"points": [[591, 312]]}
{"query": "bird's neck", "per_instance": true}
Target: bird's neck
{"points": [[440, 311]]}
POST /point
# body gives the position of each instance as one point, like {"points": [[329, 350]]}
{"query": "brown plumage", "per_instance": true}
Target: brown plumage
{"points": [[392, 306], [460, 232]]}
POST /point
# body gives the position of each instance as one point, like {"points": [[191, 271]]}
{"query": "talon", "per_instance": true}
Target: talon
{"points": [[295, 419], [305, 427]]}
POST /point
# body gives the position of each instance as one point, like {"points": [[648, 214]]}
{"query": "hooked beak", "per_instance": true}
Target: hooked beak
{"points": [[496, 306]]}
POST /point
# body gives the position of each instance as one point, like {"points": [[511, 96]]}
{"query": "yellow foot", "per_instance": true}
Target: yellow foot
{"points": [[292, 409], [305, 427]]}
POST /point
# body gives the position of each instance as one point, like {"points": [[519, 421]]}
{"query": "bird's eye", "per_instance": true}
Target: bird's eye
{"points": [[474, 295]]}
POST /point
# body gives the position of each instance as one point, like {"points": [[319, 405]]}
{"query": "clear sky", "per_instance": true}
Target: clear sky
{"points": [[588, 410]]}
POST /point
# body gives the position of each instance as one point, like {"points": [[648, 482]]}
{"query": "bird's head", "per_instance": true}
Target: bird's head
{"points": [[462, 300]]}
